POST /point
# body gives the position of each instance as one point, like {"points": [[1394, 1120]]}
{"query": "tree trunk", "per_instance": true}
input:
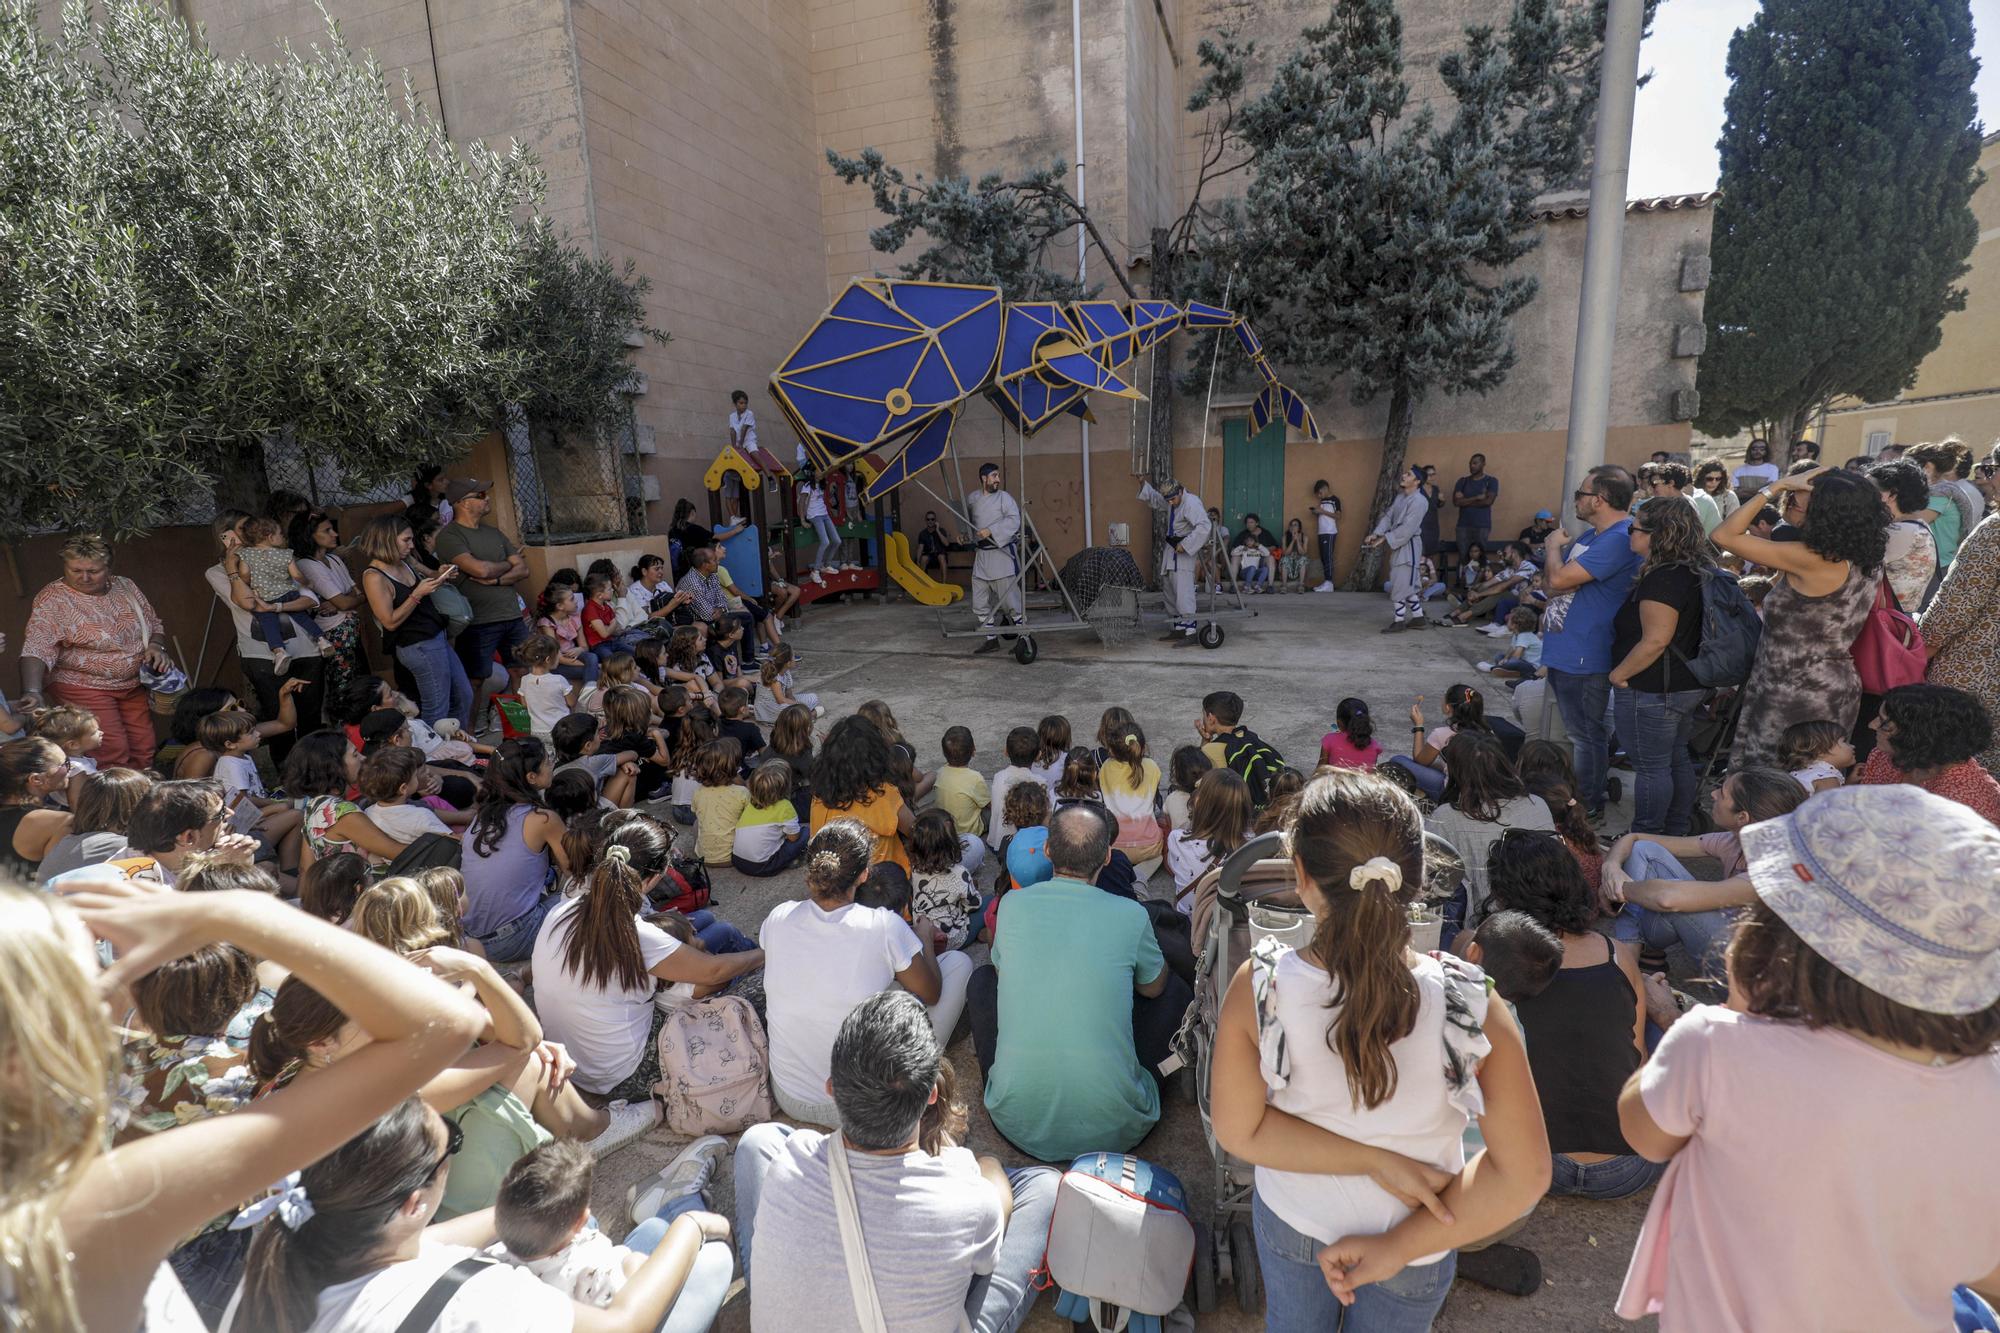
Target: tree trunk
{"points": [[1785, 427], [1365, 576]]}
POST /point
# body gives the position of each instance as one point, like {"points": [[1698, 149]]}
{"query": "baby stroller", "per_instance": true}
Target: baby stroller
{"points": [[1252, 894]]}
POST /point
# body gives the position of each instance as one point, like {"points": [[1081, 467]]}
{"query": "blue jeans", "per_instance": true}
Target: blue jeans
{"points": [[1704, 935], [1655, 729], [516, 940], [997, 1303], [442, 687], [788, 851], [1615, 1178], [271, 627], [829, 541], [478, 643], [1430, 779], [700, 1301], [210, 1268], [717, 935], [1297, 1299], [1581, 699]]}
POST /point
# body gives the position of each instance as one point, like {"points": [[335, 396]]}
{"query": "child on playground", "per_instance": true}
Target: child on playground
{"points": [[941, 886], [769, 834], [1817, 753], [1523, 658], [719, 801], [547, 694], [1864, 983], [1351, 743], [959, 789]]}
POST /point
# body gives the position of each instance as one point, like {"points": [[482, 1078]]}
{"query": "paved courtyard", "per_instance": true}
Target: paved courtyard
{"points": [[1291, 663]]}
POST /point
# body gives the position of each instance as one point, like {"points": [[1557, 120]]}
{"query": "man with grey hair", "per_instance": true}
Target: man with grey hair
{"points": [[1188, 529], [1073, 1020], [950, 1240]]}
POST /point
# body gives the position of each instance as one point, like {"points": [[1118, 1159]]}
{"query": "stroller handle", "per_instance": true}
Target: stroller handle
{"points": [[1263, 847]]}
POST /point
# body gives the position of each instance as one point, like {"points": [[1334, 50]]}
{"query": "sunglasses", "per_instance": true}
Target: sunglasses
{"points": [[454, 1139], [1585, 495]]}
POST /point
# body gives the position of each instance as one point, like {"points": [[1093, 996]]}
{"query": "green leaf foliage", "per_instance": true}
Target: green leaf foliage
{"points": [[196, 252], [1849, 155]]}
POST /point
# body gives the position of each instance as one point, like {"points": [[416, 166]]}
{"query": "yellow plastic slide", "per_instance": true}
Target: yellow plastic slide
{"points": [[913, 580]]}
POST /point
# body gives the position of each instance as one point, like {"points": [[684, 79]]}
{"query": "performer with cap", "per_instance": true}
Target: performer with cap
{"points": [[1187, 537], [1401, 530], [996, 562]]}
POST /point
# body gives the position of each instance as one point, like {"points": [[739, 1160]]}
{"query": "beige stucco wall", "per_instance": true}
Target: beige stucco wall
{"points": [[1957, 391]]}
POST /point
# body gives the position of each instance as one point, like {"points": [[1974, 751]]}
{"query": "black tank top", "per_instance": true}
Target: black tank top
{"points": [[421, 625], [1579, 1035], [12, 863]]}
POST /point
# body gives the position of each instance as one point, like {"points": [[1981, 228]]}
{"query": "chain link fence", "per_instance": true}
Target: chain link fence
{"points": [[573, 490], [289, 466]]}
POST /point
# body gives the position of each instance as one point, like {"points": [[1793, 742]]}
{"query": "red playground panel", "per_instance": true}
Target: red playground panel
{"points": [[847, 580]]}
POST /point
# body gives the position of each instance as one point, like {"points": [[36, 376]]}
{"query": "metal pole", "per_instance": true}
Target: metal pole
{"points": [[1603, 244], [1076, 73]]}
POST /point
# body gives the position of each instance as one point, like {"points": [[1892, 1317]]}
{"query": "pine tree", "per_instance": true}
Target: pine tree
{"points": [[1375, 241], [1849, 157]]}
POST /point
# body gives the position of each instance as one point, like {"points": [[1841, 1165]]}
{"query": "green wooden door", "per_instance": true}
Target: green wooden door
{"points": [[1253, 475]]}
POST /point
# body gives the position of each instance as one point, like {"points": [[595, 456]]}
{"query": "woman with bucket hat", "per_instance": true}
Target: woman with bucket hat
{"points": [[1829, 1130]]}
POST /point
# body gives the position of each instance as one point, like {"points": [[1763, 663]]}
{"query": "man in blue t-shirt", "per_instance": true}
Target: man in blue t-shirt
{"points": [[1587, 583], [1474, 497]]}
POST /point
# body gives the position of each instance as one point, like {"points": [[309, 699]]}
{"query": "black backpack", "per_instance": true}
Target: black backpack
{"points": [[1730, 633], [1246, 755]]}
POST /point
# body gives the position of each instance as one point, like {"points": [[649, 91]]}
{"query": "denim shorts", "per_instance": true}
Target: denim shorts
{"points": [[515, 941], [1297, 1299]]}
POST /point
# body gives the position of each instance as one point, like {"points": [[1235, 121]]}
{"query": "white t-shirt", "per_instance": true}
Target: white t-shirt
{"points": [[1188, 858], [931, 1225], [605, 1030], [1754, 474], [1417, 1120], [1323, 517], [498, 1299], [407, 821], [817, 966], [546, 696], [746, 420], [238, 773], [1815, 771], [636, 606], [590, 1269], [1003, 782], [814, 500]]}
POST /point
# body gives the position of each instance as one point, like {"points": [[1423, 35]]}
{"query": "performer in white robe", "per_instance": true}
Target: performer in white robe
{"points": [[996, 563], [1187, 538], [1401, 532]]}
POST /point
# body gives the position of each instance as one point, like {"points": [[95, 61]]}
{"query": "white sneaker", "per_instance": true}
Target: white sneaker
{"points": [[1497, 631], [281, 662], [628, 1122], [1484, 666], [818, 578], [1324, 587], [689, 1173]]}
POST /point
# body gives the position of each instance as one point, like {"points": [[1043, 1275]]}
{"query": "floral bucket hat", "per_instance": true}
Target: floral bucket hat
{"points": [[1897, 888]]}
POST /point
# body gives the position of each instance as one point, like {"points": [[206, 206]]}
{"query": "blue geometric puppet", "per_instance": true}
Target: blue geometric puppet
{"points": [[890, 366]]}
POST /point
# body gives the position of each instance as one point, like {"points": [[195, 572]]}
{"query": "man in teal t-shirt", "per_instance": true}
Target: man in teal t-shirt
{"points": [[1063, 1073]]}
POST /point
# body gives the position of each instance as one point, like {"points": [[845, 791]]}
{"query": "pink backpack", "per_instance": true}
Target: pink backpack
{"points": [[714, 1067]]}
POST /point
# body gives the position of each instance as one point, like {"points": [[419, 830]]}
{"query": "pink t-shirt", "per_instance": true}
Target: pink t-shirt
{"points": [[1827, 1185], [1727, 849], [1338, 750]]}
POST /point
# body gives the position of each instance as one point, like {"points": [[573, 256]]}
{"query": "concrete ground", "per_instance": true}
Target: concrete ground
{"points": [[1291, 663]]}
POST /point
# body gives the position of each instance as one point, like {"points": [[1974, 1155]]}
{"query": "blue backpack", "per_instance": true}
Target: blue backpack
{"points": [[1730, 633]]}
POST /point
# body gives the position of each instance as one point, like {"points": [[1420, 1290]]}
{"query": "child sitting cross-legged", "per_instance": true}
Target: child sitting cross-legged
{"points": [[1523, 658], [769, 835], [960, 791], [1022, 747], [720, 800], [737, 724], [942, 888]]}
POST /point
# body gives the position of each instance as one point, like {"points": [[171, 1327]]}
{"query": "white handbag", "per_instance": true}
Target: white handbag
{"points": [[860, 1277]]}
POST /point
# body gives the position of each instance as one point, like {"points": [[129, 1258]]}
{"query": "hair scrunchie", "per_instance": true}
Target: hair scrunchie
{"points": [[618, 854], [1374, 869]]}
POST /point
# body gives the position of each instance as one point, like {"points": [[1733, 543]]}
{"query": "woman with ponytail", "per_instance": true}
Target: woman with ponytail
{"points": [[513, 841], [84, 1229], [1328, 1053], [354, 1245], [597, 965], [828, 953]]}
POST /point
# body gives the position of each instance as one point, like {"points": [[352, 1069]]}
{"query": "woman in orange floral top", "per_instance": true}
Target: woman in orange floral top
{"points": [[88, 634]]}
